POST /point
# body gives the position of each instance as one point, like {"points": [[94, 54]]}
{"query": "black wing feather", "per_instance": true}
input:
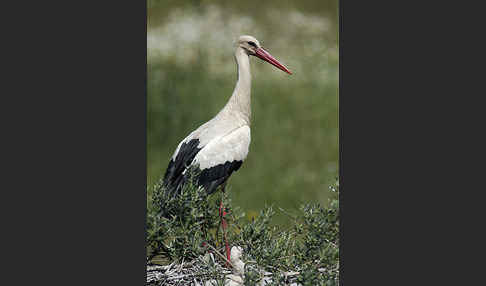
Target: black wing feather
{"points": [[213, 177], [173, 178]]}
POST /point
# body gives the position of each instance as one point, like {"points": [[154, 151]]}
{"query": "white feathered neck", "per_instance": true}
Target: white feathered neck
{"points": [[240, 102]]}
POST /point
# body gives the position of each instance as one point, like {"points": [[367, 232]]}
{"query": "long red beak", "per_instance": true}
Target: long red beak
{"points": [[264, 55]]}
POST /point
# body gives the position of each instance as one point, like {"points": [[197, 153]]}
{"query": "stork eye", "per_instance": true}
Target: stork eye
{"points": [[252, 44]]}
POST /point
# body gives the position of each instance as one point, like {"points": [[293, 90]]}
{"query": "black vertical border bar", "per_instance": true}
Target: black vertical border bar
{"points": [[78, 95]]}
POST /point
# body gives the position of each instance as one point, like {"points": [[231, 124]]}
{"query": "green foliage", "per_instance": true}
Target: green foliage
{"points": [[311, 244], [179, 226]]}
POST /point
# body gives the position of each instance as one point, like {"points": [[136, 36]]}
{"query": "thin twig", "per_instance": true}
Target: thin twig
{"points": [[221, 255]]}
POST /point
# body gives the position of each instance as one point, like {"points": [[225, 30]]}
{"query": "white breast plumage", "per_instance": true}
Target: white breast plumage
{"points": [[231, 147]]}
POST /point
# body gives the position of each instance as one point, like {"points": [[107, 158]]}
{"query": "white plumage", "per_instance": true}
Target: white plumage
{"points": [[227, 148]]}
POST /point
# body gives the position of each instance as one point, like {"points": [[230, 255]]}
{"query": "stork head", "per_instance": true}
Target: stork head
{"points": [[253, 48]]}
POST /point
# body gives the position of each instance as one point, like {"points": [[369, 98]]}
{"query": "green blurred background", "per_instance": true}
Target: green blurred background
{"points": [[191, 74]]}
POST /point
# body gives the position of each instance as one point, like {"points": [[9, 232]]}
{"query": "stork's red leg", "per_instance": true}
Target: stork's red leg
{"points": [[222, 214]]}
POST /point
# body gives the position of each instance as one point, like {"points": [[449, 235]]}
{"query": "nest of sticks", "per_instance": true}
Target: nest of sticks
{"points": [[208, 271]]}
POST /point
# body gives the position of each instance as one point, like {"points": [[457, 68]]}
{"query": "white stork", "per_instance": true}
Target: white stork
{"points": [[219, 146]]}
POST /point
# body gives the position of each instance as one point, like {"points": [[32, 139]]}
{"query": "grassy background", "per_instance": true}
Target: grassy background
{"points": [[294, 151]]}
